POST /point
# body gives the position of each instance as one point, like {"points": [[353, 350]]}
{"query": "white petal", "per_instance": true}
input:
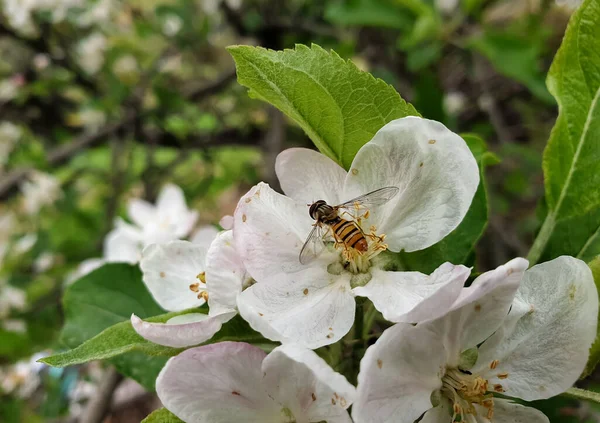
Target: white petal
{"points": [[312, 308], [480, 308], [122, 245], [510, 412], [204, 236], [440, 414], [225, 274], [181, 331], [303, 382], [413, 297], [141, 212], [170, 205], [169, 270], [307, 176], [435, 171], [269, 231], [218, 383], [398, 374], [547, 349]]}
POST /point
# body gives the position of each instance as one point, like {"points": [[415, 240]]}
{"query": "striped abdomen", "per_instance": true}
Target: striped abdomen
{"points": [[348, 233]]}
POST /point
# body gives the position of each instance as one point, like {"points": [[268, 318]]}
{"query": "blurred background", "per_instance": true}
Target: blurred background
{"points": [[103, 101]]}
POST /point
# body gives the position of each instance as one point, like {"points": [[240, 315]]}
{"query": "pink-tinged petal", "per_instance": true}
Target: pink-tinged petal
{"points": [[307, 176], [480, 309], [398, 374], [225, 274], [204, 236], [218, 383], [435, 171], [413, 297], [141, 212], [170, 272], [544, 352], [312, 307], [506, 411], [304, 383], [181, 331], [269, 232], [226, 222], [122, 245]]}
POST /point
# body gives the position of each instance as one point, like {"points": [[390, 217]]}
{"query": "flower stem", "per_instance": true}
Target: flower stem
{"points": [[541, 240], [582, 394]]}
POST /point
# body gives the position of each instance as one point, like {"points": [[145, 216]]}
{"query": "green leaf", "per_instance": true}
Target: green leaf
{"points": [[378, 13], [515, 56], [458, 245], [572, 156], [594, 358], [162, 415], [337, 105], [122, 338], [103, 298]]}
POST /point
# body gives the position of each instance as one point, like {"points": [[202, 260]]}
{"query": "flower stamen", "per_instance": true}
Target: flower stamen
{"points": [[464, 390]]}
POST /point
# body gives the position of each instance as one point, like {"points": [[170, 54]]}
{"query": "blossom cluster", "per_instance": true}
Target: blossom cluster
{"points": [[459, 348]]}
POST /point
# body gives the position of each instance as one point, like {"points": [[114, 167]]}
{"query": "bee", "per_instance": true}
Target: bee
{"points": [[345, 232]]}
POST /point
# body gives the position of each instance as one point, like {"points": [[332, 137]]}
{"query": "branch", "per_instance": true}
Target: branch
{"points": [[98, 407], [64, 153]]}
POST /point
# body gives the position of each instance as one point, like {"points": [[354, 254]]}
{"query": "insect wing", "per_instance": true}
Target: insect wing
{"points": [[313, 246], [374, 198]]}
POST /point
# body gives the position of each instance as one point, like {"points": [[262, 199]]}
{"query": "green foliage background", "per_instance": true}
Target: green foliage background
{"points": [[163, 106]]}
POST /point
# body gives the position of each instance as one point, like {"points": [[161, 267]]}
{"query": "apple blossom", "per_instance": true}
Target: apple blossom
{"points": [[168, 220], [449, 369], [182, 275], [41, 189], [234, 382], [314, 304]]}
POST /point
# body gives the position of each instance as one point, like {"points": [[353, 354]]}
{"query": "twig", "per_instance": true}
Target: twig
{"points": [[272, 146], [488, 104], [98, 407], [65, 152]]}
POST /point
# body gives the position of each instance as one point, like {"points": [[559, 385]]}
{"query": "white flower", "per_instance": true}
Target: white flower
{"points": [[313, 304], [14, 325], [11, 298], [9, 88], [44, 262], [90, 52], [182, 275], [41, 61], [91, 119], [237, 382], [99, 13], [85, 267], [40, 190], [23, 377], [442, 369], [172, 25], [168, 220], [570, 4], [454, 103], [25, 243], [446, 6]]}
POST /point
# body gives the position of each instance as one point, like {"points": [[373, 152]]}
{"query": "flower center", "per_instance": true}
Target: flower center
{"points": [[200, 287], [464, 390], [357, 259]]}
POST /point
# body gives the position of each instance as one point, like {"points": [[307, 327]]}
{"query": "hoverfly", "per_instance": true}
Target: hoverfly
{"points": [[345, 232]]}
